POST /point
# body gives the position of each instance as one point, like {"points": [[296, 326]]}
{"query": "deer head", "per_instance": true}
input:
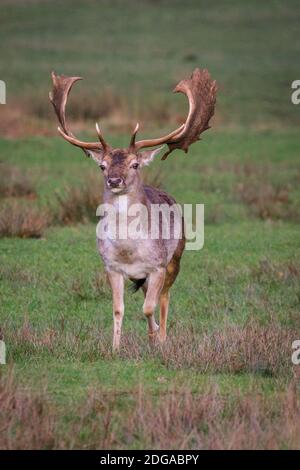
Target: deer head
{"points": [[121, 166]]}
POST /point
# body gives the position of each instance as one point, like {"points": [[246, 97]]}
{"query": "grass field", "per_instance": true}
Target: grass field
{"points": [[225, 377]]}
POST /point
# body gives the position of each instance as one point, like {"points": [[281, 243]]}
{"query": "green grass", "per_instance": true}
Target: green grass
{"points": [[251, 49], [48, 284], [55, 307]]}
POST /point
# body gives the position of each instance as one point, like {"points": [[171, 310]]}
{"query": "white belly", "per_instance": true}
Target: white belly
{"points": [[138, 270]]}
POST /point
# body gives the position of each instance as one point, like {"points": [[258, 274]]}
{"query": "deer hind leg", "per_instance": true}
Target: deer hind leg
{"points": [[164, 300], [117, 286], [154, 286], [163, 315]]}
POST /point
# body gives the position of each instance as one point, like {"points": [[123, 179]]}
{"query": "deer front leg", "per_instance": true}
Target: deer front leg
{"points": [[155, 285], [116, 281]]}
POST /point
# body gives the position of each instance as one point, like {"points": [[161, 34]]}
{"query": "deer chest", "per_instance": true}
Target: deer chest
{"points": [[132, 258]]}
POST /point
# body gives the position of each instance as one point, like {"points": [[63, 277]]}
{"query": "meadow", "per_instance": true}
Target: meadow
{"points": [[225, 378]]}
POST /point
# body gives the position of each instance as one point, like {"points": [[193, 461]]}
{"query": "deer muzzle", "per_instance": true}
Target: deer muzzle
{"points": [[115, 182]]}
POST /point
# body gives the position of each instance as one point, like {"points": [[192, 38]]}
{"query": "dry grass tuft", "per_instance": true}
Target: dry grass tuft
{"points": [[267, 270], [183, 420], [16, 274], [246, 169], [27, 420], [267, 201], [253, 348], [99, 284], [79, 204], [24, 221], [172, 419], [15, 183], [95, 286]]}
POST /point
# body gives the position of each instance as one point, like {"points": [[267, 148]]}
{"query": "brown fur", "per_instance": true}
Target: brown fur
{"points": [[157, 196], [157, 260]]}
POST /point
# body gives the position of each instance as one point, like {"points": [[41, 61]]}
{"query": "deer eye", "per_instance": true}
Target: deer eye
{"points": [[102, 167], [135, 166]]}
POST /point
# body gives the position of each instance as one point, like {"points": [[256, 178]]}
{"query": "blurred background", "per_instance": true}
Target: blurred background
{"points": [[131, 55]]}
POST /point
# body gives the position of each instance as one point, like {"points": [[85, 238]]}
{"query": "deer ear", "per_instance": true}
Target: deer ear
{"points": [[96, 155], [148, 155]]}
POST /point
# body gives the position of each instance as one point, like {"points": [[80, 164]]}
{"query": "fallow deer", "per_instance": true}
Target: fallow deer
{"points": [[150, 264]]}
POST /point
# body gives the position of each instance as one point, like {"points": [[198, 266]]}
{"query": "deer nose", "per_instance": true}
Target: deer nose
{"points": [[114, 182]]}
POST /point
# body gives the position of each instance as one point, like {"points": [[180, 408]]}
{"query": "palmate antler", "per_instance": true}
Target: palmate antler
{"points": [[61, 88], [200, 90]]}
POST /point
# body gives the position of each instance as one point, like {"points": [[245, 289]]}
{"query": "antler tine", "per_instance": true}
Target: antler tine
{"points": [[133, 136], [78, 143], [162, 140], [61, 88], [101, 139], [201, 92]]}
